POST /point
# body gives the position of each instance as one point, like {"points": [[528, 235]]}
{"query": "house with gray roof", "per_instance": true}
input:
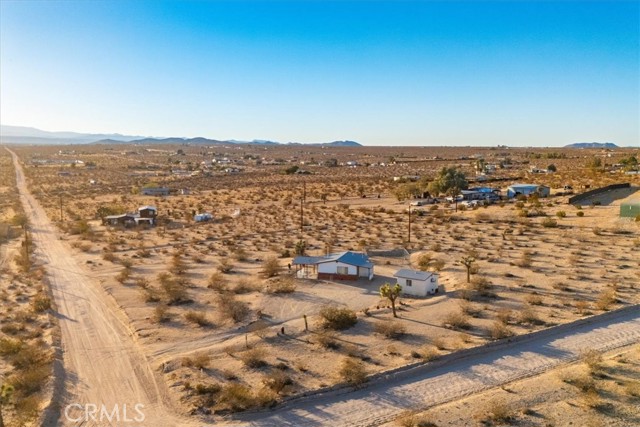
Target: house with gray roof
{"points": [[417, 283]]}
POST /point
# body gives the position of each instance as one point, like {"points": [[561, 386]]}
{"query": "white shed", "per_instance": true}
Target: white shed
{"points": [[417, 283]]}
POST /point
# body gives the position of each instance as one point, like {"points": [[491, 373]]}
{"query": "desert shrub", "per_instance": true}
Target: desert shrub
{"points": [[390, 329], [225, 266], [284, 285], [499, 412], [29, 381], [10, 346], [504, 315], [424, 261], [217, 282], [456, 320], [236, 397], [593, 360], [338, 318], [231, 308], [327, 339], [141, 282], [198, 318], [161, 314], [580, 214], [271, 267], [41, 303], [527, 315], [561, 214], [533, 299], [198, 361], [606, 299], [428, 353], [352, 372], [245, 287], [151, 295], [254, 358], [174, 292], [499, 330], [123, 276], [414, 420], [549, 222], [277, 381], [468, 308], [203, 389], [482, 286]]}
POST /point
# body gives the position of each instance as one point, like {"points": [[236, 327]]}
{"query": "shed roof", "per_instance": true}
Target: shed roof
{"points": [[152, 208], [406, 273], [524, 186]]}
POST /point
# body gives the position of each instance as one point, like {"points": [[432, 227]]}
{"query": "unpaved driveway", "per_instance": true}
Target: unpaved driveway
{"points": [[103, 365]]}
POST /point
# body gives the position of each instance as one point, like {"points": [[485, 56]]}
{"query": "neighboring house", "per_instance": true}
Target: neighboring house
{"points": [[472, 195], [126, 220], [145, 215], [527, 190], [202, 217], [340, 266], [155, 191], [417, 283]]}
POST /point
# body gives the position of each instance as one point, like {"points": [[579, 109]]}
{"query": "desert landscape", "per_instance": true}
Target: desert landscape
{"points": [[214, 314]]}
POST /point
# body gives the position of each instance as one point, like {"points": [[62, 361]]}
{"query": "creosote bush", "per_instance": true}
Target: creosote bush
{"points": [[352, 372], [390, 329], [338, 318]]}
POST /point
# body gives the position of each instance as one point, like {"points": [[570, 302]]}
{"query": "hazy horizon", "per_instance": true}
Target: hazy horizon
{"points": [[380, 73]]}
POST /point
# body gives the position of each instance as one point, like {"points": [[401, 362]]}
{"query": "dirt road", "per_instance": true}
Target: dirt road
{"points": [[103, 364]]}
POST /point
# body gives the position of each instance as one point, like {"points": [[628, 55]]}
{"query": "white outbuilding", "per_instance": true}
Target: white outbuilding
{"points": [[417, 283]]}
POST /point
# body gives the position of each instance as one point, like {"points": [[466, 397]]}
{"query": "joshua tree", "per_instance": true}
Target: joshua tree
{"points": [[6, 392], [392, 293], [467, 261]]}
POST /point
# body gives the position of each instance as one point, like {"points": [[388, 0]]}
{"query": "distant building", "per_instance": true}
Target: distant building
{"points": [[155, 191], [145, 215], [202, 217], [528, 189]]}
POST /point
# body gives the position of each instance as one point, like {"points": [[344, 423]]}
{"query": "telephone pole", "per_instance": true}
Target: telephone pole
{"points": [[302, 200], [61, 216], [409, 237]]}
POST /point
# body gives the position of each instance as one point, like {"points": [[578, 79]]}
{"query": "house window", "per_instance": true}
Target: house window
{"points": [[409, 282], [433, 279], [343, 270]]}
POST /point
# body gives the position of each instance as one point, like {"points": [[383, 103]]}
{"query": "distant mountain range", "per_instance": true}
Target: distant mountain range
{"points": [[29, 135], [592, 145]]}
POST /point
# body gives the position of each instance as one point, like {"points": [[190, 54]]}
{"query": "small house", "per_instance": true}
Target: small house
{"points": [[202, 217], [417, 283], [527, 190], [155, 191], [125, 220], [340, 266]]}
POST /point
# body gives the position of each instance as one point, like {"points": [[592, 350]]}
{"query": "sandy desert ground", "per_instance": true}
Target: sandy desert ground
{"points": [[192, 301]]}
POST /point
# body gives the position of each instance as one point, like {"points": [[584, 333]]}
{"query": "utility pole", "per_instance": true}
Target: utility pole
{"points": [[409, 239], [302, 200], [61, 217]]}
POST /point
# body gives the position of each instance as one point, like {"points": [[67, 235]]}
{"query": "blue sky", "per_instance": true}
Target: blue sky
{"points": [[382, 73]]}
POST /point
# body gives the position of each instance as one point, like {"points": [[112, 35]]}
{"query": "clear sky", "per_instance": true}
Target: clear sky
{"points": [[538, 73]]}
